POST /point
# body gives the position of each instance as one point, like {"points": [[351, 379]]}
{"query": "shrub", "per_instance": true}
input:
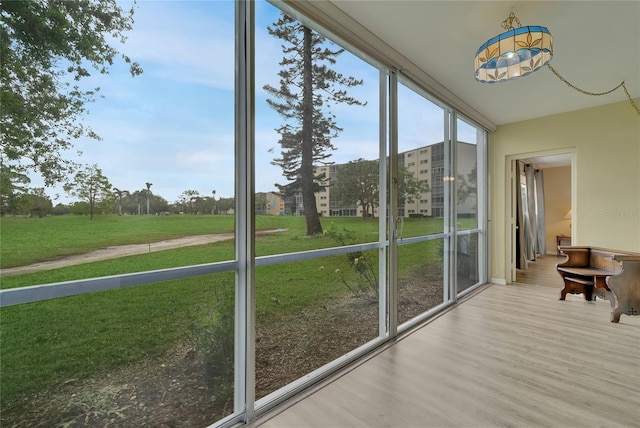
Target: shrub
{"points": [[210, 331], [365, 283]]}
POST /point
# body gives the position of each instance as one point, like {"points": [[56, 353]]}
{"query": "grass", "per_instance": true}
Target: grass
{"points": [[28, 240], [46, 343]]}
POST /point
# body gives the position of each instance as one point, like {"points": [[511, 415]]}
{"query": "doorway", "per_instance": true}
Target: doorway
{"points": [[542, 200]]}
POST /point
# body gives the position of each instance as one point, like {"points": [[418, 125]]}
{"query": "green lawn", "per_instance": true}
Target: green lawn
{"points": [[28, 240], [48, 342]]}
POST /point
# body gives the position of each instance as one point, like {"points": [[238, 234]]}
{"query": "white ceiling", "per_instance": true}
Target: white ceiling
{"points": [[596, 46], [550, 161]]}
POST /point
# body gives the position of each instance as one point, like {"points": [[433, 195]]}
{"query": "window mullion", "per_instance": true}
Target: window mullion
{"points": [[245, 203], [392, 287]]}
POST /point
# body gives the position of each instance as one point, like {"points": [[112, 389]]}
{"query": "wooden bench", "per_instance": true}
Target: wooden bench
{"points": [[592, 271], [585, 271], [626, 287]]}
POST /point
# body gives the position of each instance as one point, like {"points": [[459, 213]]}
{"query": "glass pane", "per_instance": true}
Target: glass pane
{"points": [[420, 278], [421, 158], [154, 355], [467, 175], [312, 312], [326, 167], [318, 181], [467, 261], [166, 152]]}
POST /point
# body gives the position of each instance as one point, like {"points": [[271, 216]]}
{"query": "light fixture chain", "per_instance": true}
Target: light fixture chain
{"points": [[624, 87]]}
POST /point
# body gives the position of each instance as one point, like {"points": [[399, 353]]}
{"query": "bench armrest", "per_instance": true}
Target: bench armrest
{"points": [[576, 256], [626, 258]]}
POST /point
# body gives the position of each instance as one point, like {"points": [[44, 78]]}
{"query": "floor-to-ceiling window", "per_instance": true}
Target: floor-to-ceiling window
{"points": [[129, 319], [421, 203], [261, 296], [317, 281], [469, 181]]}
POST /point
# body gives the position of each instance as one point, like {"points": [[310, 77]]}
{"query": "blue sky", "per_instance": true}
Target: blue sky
{"points": [[173, 125]]}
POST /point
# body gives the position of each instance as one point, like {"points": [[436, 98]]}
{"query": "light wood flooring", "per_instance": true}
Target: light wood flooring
{"points": [[510, 356], [542, 271]]}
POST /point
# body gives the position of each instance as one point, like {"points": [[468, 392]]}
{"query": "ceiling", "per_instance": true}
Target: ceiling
{"points": [[550, 161], [596, 46]]}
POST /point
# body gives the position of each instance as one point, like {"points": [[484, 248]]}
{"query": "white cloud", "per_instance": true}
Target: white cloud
{"points": [[185, 41]]}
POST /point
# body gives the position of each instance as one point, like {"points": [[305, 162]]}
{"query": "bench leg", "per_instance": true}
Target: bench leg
{"points": [[571, 287], [615, 316], [588, 293], [564, 291]]}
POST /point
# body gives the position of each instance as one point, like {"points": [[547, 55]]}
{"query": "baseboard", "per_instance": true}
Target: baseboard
{"points": [[499, 281]]}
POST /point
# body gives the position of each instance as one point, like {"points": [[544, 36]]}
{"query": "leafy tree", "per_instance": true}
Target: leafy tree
{"points": [[261, 203], [225, 205], [307, 87], [467, 187], [357, 182], [80, 208], [136, 200], [47, 48], [201, 204], [159, 204], [12, 184], [409, 187], [61, 209], [90, 186], [188, 199], [35, 203]]}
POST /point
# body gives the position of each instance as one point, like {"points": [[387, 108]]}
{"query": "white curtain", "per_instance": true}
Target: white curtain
{"points": [[530, 239], [541, 241]]}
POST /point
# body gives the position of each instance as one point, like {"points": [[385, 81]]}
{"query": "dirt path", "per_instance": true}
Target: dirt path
{"points": [[125, 250]]}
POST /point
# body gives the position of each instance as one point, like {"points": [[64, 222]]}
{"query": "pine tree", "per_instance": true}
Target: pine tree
{"points": [[307, 86]]}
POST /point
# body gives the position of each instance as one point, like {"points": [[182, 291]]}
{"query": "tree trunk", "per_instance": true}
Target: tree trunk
{"points": [[306, 170], [365, 210]]}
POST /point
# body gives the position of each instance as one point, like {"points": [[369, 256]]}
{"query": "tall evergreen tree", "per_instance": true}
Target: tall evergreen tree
{"points": [[307, 86]]}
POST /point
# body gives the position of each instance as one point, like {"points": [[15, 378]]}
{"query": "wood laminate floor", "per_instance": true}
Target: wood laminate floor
{"points": [[510, 356], [542, 271]]}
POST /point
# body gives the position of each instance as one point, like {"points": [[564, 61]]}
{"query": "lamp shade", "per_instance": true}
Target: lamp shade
{"points": [[514, 53]]}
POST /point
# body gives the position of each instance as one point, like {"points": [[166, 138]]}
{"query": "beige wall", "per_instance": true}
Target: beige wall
{"points": [[605, 146], [557, 203]]}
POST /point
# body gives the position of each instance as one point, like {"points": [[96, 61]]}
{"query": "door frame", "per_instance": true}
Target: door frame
{"points": [[510, 202]]}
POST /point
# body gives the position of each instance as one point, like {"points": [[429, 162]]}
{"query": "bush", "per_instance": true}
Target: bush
{"points": [[365, 283], [211, 333]]}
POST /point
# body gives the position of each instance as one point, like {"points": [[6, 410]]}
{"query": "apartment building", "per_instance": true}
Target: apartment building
{"points": [[426, 165]]}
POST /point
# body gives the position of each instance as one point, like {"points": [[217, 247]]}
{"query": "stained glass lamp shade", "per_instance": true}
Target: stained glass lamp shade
{"points": [[514, 53]]}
